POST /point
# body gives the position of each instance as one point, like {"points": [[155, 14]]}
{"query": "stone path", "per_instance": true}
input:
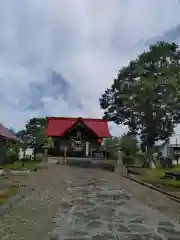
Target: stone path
{"points": [[75, 203], [99, 209]]}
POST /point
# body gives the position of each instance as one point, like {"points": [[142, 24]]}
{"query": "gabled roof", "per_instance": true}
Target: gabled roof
{"points": [[4, 132], [57, 126]]}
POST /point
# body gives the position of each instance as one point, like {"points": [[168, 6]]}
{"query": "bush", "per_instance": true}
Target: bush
{"points": [[13, 158], [12, 152], [129, 145], [140, 157], [129, 160], [113, 155]]}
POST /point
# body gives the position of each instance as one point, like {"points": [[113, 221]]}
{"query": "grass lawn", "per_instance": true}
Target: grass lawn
{"points": [[7, 193], [18, 166], [154, 176]]}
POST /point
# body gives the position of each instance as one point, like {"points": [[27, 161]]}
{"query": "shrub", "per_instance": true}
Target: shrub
{"points": [[129, 145], [12, 152], [13, 158], [140, 157], [129, 160], [113, 155]]}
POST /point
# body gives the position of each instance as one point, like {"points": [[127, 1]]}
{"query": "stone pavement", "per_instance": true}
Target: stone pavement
{"points": [[78, 203]]}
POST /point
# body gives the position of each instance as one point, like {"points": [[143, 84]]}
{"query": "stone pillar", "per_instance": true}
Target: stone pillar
{"points": [[45, 158], [91, 152], [87, 149], [120, 167], [65, 152]]}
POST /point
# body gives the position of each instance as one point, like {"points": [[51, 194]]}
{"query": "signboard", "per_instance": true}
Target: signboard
{"points": [[77, 145]]}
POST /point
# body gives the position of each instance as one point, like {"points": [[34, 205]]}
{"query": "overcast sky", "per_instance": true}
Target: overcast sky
{"points": [[58, 56]]}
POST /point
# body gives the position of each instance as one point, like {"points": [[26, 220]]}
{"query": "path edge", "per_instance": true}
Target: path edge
{"points": [[157, 189], [15, 199]]}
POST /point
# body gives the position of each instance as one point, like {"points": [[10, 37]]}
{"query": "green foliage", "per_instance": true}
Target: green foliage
{"points": [[34, 135], [18, 166], [141, 157], [49, 143], [129, 160], [22, 135], [13, 151], [129, 145], [146, 94], [110, 143], [35, 130]]}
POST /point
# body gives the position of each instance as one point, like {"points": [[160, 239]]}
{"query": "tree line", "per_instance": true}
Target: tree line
{"points": [[33, 135]]}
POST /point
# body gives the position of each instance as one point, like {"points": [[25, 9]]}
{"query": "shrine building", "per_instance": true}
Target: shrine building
{"points": [[76, 137]]}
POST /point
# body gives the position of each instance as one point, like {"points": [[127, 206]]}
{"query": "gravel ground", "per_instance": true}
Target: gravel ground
{"points": [[32, 217], [77, 203], [148, 196]]}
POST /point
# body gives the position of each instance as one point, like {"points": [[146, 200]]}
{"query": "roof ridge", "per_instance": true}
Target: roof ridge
{"points": [[76, 118], [98, 126]]}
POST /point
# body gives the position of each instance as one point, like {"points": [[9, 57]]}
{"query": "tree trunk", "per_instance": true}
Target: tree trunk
{"points": [[34, 153], [24, 156], [149, 158]]}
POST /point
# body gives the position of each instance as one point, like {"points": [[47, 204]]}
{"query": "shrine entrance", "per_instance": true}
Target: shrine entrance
{"points": [[78, 137]]}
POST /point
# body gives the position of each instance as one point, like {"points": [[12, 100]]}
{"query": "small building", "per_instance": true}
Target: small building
{"points": [[28, 152], [76, 137], [170, 147], [6, 136]]}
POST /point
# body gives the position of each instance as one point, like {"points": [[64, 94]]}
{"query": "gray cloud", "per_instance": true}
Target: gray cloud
{"points": [[85, 41], [53, 86], [172, 35]]}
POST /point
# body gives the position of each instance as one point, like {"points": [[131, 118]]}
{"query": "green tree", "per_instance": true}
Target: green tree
{"points": [[110, 146], [13, 151], [146, 95], [130, 149], [49, 143], [24, 142], [36, 132]]}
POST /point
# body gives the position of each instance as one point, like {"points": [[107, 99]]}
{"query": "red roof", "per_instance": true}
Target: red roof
{"points": [[4, 132], [57, 126]]}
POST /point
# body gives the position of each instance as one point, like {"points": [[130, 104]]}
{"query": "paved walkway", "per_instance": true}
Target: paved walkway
{"points": [[74, 203]]}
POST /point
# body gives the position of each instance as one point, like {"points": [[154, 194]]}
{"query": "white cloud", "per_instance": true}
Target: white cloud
{"points": [[87, 41]]}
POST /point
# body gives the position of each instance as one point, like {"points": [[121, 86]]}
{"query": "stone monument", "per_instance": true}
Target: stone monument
{"points": [[120, 167]]}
